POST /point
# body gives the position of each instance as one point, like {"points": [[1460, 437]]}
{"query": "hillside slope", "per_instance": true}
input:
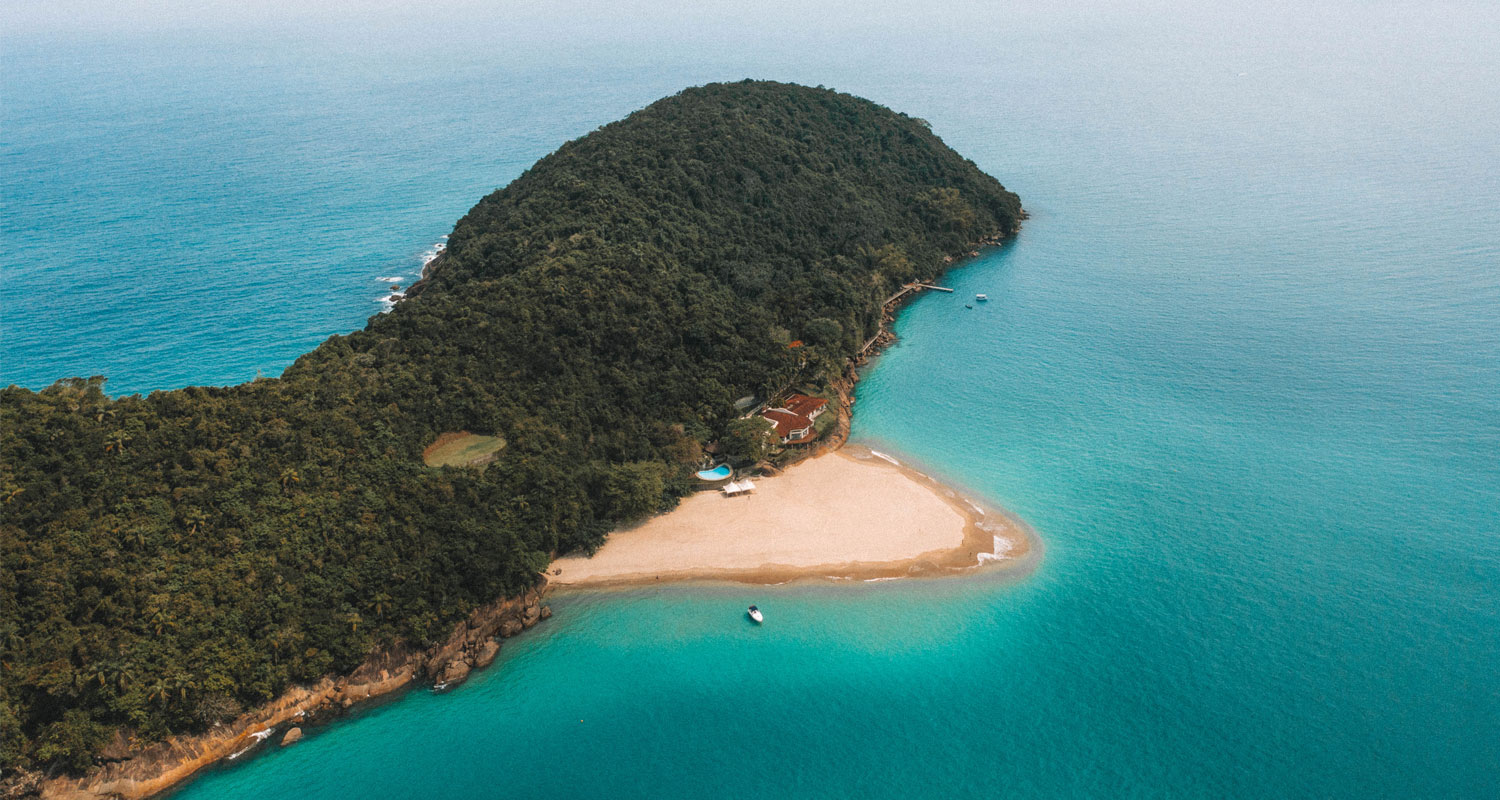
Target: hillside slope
{"points": [[171, 559]]}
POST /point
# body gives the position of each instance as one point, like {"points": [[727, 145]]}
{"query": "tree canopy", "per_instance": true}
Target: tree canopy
{"points": [[173, 558]]}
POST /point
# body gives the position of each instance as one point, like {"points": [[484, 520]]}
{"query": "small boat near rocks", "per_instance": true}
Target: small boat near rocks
{"points": [[755, 614]]}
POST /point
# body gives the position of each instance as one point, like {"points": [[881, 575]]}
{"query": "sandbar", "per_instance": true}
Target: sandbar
{"points": [[846, 514]]}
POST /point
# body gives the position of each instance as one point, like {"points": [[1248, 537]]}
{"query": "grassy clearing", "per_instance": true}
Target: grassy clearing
{"points": [[462, 449]]}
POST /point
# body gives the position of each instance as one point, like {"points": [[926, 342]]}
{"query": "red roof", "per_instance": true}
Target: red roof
{"points": [[787, 422], [803, 405]]}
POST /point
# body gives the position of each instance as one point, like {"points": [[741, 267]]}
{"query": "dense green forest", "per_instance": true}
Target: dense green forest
{"points": [[169, 560]]}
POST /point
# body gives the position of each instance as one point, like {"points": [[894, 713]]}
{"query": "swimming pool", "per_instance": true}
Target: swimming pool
{"points": [[718, 473]]}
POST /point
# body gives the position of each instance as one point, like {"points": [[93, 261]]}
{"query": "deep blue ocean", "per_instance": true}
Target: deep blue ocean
{"points": [[1240, 371]]}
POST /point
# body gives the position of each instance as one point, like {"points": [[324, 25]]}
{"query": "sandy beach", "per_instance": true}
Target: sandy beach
{"points": [[846, 514]]}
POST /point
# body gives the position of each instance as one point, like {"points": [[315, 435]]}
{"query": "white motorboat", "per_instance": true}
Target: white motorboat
{"points": [[981, 297], [756, 615]]}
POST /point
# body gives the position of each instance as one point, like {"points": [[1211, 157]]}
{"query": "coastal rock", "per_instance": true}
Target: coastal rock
{"points": [[153, 768], [452, 648], [120, 747], [486, 654], [292, 736], [18, 783], [546, 612], [455, 671], [531, 615]]}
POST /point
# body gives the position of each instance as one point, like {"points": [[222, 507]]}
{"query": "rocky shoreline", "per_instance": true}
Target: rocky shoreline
{"points": [[884, 337], [137, 773], [473, 644]]}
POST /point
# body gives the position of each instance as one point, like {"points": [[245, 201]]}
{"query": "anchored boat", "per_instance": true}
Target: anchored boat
{"points": [[756, 615]]}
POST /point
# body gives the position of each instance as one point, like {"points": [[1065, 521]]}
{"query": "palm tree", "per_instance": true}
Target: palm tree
{"points": [[123, 676], [279, 638], [195, 520], [116, 442], [159, 690], [161, 619], [379, 603]]}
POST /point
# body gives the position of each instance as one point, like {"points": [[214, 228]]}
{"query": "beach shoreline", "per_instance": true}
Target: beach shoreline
{"points": [[992, 539], [855, 514], [1009, 547]]}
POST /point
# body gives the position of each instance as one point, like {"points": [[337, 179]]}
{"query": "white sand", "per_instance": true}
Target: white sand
{"points": [[835, 514]]}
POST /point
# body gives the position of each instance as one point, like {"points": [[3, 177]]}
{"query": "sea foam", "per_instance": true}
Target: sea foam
{"points": [[434, 251], [257, 738], [1001, 548]]}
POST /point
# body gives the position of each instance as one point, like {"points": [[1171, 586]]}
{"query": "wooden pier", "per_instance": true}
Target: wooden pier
{"points": [[889, 306], [913, 288]]}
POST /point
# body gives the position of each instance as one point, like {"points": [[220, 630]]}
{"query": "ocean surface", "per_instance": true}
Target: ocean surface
{"points": [[1240, 371]]}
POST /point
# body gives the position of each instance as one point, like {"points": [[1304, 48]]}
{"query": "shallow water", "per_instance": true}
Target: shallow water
{"points": [[1240, 372]]}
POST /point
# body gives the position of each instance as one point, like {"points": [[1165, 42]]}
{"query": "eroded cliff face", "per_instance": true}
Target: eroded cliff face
{"points": [[473, 643]]}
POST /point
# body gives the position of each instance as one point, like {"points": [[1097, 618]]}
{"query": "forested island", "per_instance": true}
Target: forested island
{"points": [[172, 560]]}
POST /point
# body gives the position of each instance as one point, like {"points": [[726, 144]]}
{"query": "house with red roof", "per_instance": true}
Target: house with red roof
{"points": [[804, 405], [793, 420]]}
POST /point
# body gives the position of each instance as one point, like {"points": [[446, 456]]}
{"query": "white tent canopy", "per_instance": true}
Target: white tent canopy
{"points": [[738, 487]]}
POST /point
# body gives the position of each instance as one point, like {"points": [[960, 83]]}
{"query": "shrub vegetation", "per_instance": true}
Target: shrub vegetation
{"points": [[173, 558]]}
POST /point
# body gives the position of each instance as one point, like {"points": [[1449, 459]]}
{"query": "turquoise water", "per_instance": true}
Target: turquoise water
{"points": [[1241, 371]]}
